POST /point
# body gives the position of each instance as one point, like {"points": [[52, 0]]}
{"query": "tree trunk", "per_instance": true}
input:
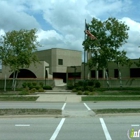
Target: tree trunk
{"points": [[5, 83], [97, 72], [5, 80], [13, 80], [120, 76], [107, 81], [15, 83]]}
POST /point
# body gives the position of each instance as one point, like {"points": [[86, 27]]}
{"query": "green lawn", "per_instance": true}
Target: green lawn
{"points": [[18, 98], [109, 98], [110, 111], [30, 112]]}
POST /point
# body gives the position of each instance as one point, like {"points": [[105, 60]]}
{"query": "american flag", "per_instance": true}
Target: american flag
{"points": [[87, 31]]}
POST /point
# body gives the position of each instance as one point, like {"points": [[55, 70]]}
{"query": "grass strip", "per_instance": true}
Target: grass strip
{"points": [[110, 98], [108, 111], [21, 98], [119, 93], [30, 112]]}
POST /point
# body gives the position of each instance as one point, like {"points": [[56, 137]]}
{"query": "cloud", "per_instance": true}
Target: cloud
{"points": [[66, 18], [134, 38], [13, 18]]}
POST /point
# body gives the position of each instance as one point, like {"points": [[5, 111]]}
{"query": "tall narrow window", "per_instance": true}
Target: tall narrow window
{"points": [[60, 61], [116, 73]]}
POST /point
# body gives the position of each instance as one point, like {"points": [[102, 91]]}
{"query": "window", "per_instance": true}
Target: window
{"points": [[116, 73], [60, 61], [134, 72], [100, 73], [93, 74]]}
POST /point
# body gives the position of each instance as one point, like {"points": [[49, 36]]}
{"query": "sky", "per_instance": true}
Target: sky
{"points": [[60, 23]]}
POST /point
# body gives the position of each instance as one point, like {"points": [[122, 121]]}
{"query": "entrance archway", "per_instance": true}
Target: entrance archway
{"points": [[24, 73]]}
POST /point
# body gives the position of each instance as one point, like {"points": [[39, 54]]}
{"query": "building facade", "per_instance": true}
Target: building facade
{"points": [[59, 59], [57, 63]]}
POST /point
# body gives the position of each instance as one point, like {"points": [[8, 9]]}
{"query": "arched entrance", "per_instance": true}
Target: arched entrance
{"points": [[24, 73]]}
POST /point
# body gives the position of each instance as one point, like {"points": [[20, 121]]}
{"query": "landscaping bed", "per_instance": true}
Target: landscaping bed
{"points": [[17, 98], [30, 112], [111, 111], [110, 98]]}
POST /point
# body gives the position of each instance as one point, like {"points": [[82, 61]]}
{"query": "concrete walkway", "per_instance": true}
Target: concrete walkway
{"points": [[59, 97], [59, 94]]}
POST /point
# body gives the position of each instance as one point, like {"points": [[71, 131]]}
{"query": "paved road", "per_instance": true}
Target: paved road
{"points": [[72, 106], [89, 128], [78, 122]]}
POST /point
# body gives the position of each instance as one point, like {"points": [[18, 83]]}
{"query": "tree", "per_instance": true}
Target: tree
{"points": [[110, 36], [17, 50], [122, 60]]}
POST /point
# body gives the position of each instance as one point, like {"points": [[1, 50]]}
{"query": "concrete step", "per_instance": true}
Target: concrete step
{"points": [[59, 88]]}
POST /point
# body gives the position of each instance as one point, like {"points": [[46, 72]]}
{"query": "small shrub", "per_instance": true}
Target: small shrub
{"points": [[70, 86], [92, 93], [24, 92], [37, 87], [80, 88], [90, 88], [86, 93], [41, 84], [27, 89], [24, 85], [74, 90], [33, 90], [34, 84], [47, 87], [41, 90], [97, 84], [19, 89], [90, 83], [80, 83], [79, 93], [29, 85]]}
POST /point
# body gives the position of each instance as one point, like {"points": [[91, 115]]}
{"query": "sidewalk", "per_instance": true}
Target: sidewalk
{"points": [[59, 94], [59, 97]]}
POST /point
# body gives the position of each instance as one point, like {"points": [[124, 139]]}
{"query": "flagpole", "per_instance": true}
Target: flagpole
{"points": [[84, 57]]}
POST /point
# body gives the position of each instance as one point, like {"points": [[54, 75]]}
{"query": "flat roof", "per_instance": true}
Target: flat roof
{"points": [[59, 49]]}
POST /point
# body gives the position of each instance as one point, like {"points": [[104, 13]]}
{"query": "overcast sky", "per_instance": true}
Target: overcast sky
{"points": [[60, 23]]}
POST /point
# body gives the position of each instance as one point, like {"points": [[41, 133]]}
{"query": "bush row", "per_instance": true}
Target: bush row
{"points": [[85, 85], [85, 93], [35, 85]]}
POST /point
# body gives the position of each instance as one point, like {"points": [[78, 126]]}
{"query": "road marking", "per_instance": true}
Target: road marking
{"points": [[57, 129], [107, 135], [135, 125], [87, 106], [22, 124], [63, 107]]}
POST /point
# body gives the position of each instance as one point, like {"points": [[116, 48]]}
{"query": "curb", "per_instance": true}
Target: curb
{"points": [[31, 116]]}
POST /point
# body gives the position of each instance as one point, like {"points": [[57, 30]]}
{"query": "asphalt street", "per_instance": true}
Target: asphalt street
{"points": [[78, 124], [89, 128], [71, 106]]}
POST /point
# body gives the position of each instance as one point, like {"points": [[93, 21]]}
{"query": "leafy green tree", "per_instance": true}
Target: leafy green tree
{"points": [[121, 60], [110, 36], [17, 50]]}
